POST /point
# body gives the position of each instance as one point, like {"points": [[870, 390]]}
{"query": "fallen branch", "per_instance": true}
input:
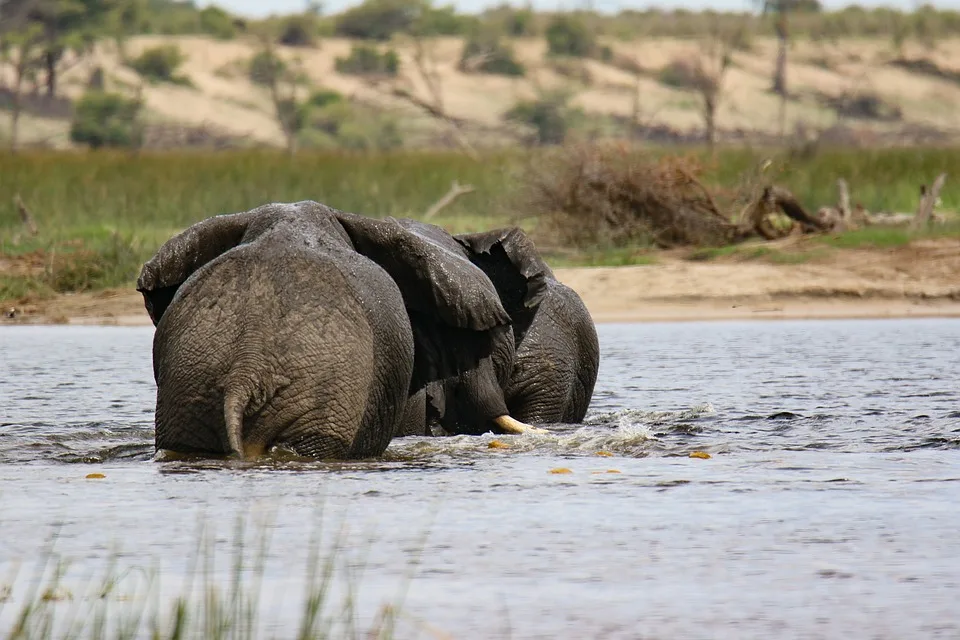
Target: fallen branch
{"points": [[456, 190], [25, 216], [792, 208]]}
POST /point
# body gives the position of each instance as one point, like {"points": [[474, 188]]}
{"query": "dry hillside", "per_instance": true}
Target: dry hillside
{"points": [[223, 97]]}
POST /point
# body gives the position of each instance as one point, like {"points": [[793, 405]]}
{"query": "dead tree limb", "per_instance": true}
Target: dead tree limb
{"points": [[456, 190], [927, 200], [25, 216]]}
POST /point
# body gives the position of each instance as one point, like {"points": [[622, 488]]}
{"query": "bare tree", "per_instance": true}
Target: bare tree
{"points": [[283, 82], [22, 51], [781, 10], [404, 86], [715, 57]]}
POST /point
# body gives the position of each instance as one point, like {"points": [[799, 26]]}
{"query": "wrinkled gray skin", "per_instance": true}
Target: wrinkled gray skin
{"points": [[557, 351], [304, 326], [463, 403]]}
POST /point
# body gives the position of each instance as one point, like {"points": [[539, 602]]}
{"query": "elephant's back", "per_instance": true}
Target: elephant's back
{"points": [[557, 362], [291, 326]]}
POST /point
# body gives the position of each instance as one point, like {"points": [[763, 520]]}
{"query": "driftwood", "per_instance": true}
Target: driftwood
{"points": [[456, 190], [846, 215], [927, 200], [25, 216], [843, 217]]}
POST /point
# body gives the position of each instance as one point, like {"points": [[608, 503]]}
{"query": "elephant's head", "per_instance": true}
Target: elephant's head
{"points": [[558, 353], [511, 261], [471, 400]]}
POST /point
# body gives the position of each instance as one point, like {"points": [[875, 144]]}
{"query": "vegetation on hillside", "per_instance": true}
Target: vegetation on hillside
{"points": [[40, 41]]}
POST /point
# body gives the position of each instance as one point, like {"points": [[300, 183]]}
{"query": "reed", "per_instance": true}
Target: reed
{"points": [[100, 215], [125, 601]]}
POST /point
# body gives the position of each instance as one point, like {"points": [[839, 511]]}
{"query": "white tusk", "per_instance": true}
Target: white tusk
{"points": [[511, 425]]}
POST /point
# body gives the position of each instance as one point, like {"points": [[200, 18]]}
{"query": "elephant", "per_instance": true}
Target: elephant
{"points": [[557, 349], [301, 325], [460, 403]]}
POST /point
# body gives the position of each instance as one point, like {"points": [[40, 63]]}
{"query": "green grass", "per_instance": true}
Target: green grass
{"points": [[758, 253], [124, 600], [706, 254], [615, 257], [879, 179], [796, 257], [102, 214], [887, 237]]}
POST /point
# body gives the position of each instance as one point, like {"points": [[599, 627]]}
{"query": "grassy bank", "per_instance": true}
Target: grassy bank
{"points": [[100, 215]]}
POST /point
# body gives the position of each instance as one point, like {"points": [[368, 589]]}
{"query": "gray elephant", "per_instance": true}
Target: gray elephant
{"points": [[541, 370], [301, 325], [557, 350], [460, 403]]}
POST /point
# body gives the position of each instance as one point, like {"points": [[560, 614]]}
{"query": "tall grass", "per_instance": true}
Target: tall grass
{"points": [[102, 214], [80, 192], [124, 602]]}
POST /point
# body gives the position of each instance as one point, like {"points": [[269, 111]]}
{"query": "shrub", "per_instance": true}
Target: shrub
{"points": [[378, 19], [442, 21], [159, 64], [569, 36], [104, 119], [345, 125], [298, 31], [266, 68], [605, 195], [515, 23], [366, 60], [549, 116], [484, 53], [681, 74], [519, 23], [866, 106], [322, 98], [216, 22]]}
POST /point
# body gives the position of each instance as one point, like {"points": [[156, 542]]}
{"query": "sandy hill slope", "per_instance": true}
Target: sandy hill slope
{"points": [[223, 97]]}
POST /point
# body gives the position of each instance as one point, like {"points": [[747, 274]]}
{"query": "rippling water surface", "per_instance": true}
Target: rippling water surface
{"points": [[828, 507]]}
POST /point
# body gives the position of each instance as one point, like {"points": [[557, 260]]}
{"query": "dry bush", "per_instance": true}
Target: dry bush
{"points": [[681, 73], [606, 195]]}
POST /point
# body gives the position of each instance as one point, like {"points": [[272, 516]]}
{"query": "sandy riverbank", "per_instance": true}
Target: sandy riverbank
{"points": [[920, 280]]}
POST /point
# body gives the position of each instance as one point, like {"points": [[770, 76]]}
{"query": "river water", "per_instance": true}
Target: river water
{"points": [[828, 507]]}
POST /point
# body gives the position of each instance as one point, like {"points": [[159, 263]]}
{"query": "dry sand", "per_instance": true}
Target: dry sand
{"points": [[920, 280]]}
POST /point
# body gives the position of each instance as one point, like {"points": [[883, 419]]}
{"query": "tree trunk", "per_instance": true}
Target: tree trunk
{"points": [[17, 106], [709, 120], [783, 41], [50, 59], [780, 72]]}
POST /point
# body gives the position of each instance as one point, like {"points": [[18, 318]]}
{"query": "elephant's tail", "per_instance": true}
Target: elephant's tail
{"points": [[235, 401]]}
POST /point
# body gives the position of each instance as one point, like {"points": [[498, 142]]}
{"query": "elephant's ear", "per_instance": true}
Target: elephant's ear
{"points": [[454, 309], [510, 259], [186, 252]]}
